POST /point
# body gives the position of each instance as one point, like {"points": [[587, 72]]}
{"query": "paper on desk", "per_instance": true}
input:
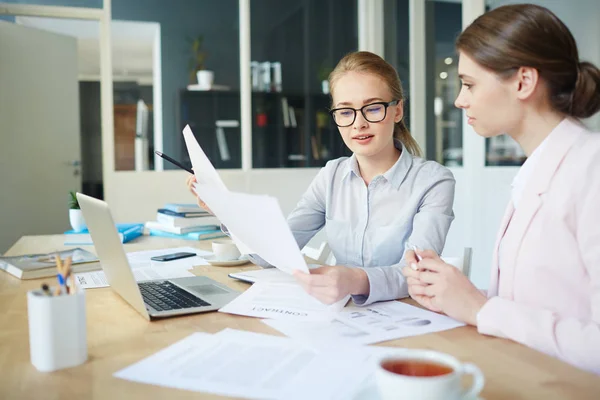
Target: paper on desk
{"points": [[255, 366], [206, 173], [282, 301], [145, 269], [267, 275], [97, 279], [259, 222], [364, 325]]}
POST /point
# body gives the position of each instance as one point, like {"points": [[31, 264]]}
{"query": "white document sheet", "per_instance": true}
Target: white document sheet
{"points": [[263, 275], [364, 325], [145, 269], [255, 366], [97, 279], [258, 221], [281, 301], [206, 173], [203, 168], [267, 275]]}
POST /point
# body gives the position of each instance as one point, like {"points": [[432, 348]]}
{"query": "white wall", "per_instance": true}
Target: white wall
{"points": [[581, 17]]}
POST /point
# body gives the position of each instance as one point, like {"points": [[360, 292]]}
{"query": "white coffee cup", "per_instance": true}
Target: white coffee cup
{"points": [[426, 375], [225, 251]]}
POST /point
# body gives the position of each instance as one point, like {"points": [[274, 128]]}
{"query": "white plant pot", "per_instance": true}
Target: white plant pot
{"points": [[205, 79], [76, 220]]}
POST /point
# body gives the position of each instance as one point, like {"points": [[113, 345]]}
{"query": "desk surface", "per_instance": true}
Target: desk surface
{"points": [[118, 336]]}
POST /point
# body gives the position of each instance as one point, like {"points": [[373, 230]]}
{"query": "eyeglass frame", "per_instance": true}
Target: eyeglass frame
{"points": [[383, 103]]}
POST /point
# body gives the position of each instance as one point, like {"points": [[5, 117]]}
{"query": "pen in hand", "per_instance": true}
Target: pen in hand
{"points": [[173, 161], [418, 257]]}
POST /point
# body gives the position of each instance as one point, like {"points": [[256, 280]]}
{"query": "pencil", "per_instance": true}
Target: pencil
{"points": [[173, 161]]}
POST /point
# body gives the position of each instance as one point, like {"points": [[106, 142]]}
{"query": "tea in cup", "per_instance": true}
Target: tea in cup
{"points": [[426, 375]]}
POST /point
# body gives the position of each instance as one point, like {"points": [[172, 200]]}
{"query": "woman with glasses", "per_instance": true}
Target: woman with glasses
{"points": [[376, 201], [522, 76]]}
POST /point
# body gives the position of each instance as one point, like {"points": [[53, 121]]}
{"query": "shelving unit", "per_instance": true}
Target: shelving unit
{"points": [[288, 130]]}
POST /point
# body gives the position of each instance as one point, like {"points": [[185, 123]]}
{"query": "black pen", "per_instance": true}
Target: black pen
{"points": [[173, 161]]}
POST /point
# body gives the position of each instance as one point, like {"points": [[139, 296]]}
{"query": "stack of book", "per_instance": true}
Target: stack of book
{"points": [[127, 232], [184, 221]]}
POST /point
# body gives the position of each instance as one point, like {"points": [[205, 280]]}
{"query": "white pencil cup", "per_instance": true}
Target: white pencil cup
{"points": [[57, 330]]}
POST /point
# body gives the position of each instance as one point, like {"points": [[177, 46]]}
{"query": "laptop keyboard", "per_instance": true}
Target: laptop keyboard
{"points": [[164, 296]]}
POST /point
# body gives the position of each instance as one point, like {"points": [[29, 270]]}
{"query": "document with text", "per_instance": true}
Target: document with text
{"points": [[365, 325], [258, 221], [281, 300], [257, 366], [206, 173], [146, 269]]}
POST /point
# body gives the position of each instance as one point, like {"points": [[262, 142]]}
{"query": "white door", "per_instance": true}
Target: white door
{"points": [[39, 131]]}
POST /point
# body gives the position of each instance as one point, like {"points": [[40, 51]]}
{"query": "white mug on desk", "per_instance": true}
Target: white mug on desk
{"points": [[426, 375], [225, 250]]}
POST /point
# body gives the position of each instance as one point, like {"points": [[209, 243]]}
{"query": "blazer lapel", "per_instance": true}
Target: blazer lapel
{"points": [[508, 213], [558, 144]]}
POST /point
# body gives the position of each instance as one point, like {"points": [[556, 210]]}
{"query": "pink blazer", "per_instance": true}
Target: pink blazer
{"points": [[546, 295]]}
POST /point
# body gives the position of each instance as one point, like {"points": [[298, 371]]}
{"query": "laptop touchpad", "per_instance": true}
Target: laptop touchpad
{"points": [[207, 290]]}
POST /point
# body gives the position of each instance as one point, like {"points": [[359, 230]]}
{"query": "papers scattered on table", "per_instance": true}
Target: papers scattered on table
{"points": [[364, 325], [257, 366], [145, 269], [281, 301]]}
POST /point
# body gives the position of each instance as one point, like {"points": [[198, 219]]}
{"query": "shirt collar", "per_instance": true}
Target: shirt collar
{"points": [[395, 175], [523, 173]]}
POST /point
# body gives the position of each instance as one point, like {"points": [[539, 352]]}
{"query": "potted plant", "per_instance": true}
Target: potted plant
{"points": [[323, 75], [75, 214], [198, 72]]}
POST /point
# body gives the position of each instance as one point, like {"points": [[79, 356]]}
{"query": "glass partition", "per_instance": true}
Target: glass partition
{"points": [[294, 47]]}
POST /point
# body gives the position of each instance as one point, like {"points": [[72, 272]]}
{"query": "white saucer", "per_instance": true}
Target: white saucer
{"points": [[225, 263], [372, 393]]}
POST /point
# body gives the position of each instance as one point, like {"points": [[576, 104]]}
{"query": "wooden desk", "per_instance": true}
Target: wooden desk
{"points": [[118, 336]]}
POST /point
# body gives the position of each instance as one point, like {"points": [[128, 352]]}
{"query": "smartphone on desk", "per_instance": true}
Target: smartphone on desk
{"points": [[172, 257]]}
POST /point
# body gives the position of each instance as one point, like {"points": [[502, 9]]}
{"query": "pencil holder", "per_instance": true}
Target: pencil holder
{"points": [[57, 330]]}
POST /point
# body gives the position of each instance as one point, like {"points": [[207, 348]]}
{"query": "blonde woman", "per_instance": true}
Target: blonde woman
{"points": [[373, 202]]}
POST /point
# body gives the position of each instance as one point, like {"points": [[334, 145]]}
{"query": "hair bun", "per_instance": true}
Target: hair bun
{"points": [[585, 101]]}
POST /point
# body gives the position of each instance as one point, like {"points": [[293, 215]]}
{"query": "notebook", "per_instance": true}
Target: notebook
{"points": [[31, 266]]}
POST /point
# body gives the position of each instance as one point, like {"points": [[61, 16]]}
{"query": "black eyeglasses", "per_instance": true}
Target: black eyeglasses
{"points": [[374, 112]]}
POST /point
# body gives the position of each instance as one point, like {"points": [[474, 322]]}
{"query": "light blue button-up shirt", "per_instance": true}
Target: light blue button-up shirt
{"points": [[368, 226]]}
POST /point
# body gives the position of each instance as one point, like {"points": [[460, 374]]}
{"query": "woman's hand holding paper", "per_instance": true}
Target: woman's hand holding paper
{"points": [[191, 180], [330, 284]]}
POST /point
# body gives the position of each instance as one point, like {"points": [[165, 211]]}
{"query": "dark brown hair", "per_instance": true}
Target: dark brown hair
{"points": [[366, 62], [526, 35]]}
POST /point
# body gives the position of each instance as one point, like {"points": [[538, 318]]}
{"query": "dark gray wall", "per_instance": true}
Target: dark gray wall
{"points": [[181, 20]]}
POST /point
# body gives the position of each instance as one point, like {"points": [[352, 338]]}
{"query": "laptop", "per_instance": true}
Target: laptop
{"points": [[152, 299]]}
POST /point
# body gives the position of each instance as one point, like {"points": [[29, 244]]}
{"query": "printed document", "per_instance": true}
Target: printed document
{"points": [[256, 223], [145, 269], [259, 222], [364, 325], [281, 300], [206, 173], [257, 366]]}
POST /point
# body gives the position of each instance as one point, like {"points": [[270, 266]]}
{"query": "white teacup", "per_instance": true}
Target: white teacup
{"points": [[225, 250], [426, 375]]}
